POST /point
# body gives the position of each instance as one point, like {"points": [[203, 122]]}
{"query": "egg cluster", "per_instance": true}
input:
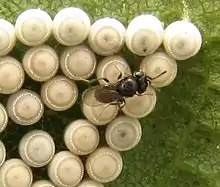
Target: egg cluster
{"points": [[71, 27]]}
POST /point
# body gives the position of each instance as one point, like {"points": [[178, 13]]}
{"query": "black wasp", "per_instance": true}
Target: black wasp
{"points": [[115, 93]]}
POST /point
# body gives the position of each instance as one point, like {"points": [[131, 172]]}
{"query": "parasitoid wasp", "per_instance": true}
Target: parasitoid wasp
{"points": [[115, 93]]}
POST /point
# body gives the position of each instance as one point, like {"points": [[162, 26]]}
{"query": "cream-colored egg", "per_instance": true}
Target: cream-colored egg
{"points": [[157, 63], [182, 39], [25, 107], [104, 165], [123, 133], [66, 169], [140, 106], [36, 148], [144, 34], [78, 62], [33, 27], [59, 93], [71, 26], [41, 63], [11, 75], [96, 112], [7, 37], [107, 36]]}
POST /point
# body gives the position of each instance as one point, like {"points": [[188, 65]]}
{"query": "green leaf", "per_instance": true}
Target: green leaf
{"points": [[180, 143]]}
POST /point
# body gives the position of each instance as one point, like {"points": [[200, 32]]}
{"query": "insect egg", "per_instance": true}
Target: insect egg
{"points": [[59, 93], [25, 107], [3, 118], [81, 137], [33, 27], [106, 36], [87, 182], [36, 148], [17, 170], [42, 183], [65, 169], [140, 106], [123, 133], [78, 62], [2, 153], [11, 75], [41, 63], [7, 37], [100, 114], [156, 63], [144, 34], [104, 159], [182, 40], [71, 26], [111, 67]]}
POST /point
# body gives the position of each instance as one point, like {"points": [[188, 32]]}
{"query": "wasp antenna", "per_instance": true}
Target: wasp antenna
{"points": [[93, 80], [152, 78], [104, 109], [120, 73]]}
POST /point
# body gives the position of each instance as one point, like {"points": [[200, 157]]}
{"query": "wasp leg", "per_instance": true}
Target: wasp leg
{"points": [[120, 76], [93, 80], [152, 78], [138, 94], [118, 103]]}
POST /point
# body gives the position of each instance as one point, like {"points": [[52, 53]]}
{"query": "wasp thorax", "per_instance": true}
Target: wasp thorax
{"points": [[182, 40], [107, 36], [33, 27], [127, 87], [71, 26]]}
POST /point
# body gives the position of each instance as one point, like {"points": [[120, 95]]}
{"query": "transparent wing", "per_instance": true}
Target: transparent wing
{"points": [[88, 96]]}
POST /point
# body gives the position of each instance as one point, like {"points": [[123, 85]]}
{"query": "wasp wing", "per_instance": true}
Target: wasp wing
{"points": [[98, 95]]}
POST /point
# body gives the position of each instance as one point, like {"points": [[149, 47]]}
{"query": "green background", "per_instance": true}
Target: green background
{"points": [[180, 143]]}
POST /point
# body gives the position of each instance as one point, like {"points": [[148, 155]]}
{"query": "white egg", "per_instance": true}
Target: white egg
{"points": [[182, 40], [157, 63], [107, 36], [7, 37], [144, 34], [78, 62], [33, 27], [71, 26]]}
